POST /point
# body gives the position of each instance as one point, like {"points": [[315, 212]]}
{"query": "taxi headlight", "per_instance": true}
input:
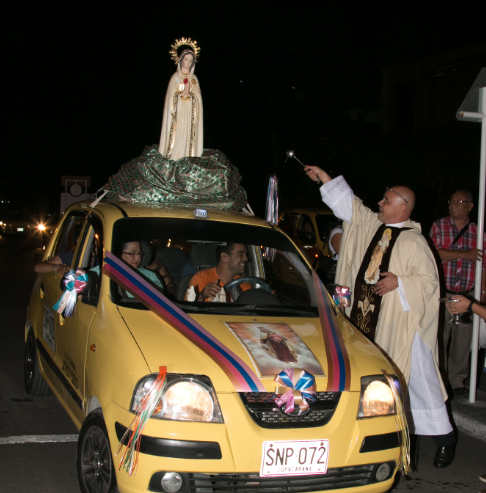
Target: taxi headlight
{"points": [[185, 398], [376, 397]]}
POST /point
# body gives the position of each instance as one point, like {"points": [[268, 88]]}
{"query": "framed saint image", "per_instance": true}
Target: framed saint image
{"points": [[275, 347]]}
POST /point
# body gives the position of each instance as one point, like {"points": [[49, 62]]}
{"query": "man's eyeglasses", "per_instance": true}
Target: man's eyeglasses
{"points": [[452, 202], [391, 190], [135, 254]]}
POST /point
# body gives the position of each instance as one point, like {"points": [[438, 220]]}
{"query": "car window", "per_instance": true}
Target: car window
{"points": [[91, 252], [288, 223], [90, 256], [189, 246], [306, 225], [70, 231]]}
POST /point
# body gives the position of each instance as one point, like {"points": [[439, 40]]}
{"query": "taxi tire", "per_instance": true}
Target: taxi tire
{"points": [[94, 458], [35, 384]]}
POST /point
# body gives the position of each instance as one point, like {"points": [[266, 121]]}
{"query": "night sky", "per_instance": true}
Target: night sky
{"points": [[85, 86]]}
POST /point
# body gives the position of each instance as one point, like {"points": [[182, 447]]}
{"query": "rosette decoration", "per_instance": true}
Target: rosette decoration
{"points": [[342, 296], [133, 436], [298, 385], [74, 282]]}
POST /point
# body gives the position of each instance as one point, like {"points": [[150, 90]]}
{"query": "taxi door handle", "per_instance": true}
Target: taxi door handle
{"points": [[41, 290], [61, 320]]}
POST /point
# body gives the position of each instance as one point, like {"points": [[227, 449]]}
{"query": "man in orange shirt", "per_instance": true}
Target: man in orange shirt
{"points": [[232, 259]]}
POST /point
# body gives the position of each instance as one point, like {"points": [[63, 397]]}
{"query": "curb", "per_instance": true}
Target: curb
{"points": [[471, 426]]}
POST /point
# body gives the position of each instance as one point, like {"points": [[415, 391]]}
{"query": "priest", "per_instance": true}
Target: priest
{"points": [[391, 269]]}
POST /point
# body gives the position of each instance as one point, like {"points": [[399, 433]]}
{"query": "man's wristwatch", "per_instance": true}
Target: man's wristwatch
{"points": [[469, 308]]}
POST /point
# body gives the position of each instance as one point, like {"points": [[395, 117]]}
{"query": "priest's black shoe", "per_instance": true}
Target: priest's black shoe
{"points": [[444, 456]]}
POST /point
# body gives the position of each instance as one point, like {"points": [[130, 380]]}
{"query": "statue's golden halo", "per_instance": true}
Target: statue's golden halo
{"points": [[184, 42]]}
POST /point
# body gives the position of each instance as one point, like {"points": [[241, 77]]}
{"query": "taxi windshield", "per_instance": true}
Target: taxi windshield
{"points": [[255, 269]]}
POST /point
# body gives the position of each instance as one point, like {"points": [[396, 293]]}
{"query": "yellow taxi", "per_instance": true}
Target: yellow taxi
{"points": [[310, 229], [228, 419]]}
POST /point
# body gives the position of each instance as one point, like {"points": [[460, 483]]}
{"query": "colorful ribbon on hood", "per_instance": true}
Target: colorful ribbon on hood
{"points": [[298, 385], [75, 282], [338, 366], [241, 375], [133, 436]]}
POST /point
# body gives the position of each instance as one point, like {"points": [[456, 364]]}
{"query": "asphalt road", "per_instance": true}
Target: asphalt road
{"points": [[35, 467]]}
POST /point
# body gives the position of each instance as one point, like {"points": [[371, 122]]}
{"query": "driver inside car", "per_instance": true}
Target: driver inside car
{"points": [[209, 283]]}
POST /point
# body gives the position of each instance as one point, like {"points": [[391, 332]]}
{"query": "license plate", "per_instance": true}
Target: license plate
{"points": [[20, 229], [294, 458]]}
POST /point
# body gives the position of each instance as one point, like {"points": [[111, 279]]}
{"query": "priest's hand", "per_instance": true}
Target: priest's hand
{"points": [[315, 173], [388, 282]]}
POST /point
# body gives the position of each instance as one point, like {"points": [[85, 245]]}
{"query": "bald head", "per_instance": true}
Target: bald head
{"points": [[409, 197], [397, 205]]}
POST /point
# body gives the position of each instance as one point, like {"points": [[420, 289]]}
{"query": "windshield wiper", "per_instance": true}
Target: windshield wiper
{"points": [[277, 308], [208, 307], [246, 309]]}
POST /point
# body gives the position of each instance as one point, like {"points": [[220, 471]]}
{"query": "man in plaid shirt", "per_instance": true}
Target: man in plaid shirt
{"points": [[459, 262]]}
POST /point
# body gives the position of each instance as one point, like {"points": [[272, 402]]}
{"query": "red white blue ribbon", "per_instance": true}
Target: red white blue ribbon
{"points": [[338, 366]]}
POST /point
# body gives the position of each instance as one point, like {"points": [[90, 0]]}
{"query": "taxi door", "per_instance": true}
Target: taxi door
{"points": [[72, 332], [49, 285]]}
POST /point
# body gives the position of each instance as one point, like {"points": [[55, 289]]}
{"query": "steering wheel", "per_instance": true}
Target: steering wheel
{"points": [[254, 280]]}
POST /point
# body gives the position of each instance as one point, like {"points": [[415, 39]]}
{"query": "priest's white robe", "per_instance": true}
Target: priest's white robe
{"points": [[408, 322]]}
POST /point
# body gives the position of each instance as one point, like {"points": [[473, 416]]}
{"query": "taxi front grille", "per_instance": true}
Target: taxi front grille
{"points": [[337, 478], [267, 414]]}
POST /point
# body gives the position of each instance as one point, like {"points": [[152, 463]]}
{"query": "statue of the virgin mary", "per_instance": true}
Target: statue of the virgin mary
{"points": [[182, 123], [178, 171]]}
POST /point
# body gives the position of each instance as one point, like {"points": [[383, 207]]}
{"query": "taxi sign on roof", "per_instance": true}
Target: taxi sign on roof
{"points": [[201, 214]]}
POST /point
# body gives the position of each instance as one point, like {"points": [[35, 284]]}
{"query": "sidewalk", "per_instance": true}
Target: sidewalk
{"points": [[470, 418]]}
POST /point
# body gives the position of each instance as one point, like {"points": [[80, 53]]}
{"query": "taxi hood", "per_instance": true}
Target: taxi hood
{"points": [[263, 345]]}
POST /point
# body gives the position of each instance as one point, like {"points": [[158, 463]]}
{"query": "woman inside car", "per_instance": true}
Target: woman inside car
{"points": [[131, 253]]}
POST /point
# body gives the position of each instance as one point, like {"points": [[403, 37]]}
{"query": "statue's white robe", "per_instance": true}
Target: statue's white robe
{"points": [[178, 116], [407, 326]]}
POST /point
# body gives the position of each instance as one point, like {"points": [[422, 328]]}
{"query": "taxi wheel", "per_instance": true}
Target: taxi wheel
{"points": [[95, 465], [33, 381]]}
